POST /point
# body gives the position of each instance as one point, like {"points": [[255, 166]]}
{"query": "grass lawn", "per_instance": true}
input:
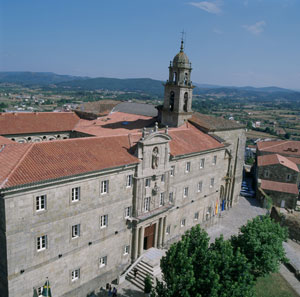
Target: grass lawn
{"points": [[274, 285]]}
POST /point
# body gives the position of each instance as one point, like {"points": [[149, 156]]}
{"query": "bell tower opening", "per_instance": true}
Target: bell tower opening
{"points": [[172, 95], [178, 91]]}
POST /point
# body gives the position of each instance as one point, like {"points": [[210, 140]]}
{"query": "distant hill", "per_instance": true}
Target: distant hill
{"points": [[35, 78], [143, 85]]}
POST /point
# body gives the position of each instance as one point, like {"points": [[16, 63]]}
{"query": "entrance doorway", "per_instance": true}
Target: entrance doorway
{"points": [[149, 237]]}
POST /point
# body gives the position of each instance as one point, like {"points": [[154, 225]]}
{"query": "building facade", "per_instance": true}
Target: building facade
{"points": [[278, 172], [79, 211]]}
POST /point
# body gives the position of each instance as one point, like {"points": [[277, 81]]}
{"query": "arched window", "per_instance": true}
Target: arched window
{"points": [[175, 77], [186, 98], [185, 78], [172, 96]]}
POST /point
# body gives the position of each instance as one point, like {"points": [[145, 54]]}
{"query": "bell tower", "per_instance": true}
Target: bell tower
{"points": [[177, 106]]}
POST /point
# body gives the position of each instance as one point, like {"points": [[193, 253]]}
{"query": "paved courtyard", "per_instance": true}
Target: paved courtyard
{"points": [[228, 225]]}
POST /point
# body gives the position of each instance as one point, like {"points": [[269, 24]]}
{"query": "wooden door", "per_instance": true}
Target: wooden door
{"points": [[149, 237]]}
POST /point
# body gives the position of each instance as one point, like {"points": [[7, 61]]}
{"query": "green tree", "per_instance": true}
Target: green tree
{"points": [[287, 135], [261, 241], [193, 268], [147, 284]]}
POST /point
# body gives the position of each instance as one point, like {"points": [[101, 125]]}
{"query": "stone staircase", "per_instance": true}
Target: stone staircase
{"points": [[148, 265]]}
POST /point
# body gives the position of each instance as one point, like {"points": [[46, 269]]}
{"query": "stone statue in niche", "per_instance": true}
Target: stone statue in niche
{"points": [[155, 158]]}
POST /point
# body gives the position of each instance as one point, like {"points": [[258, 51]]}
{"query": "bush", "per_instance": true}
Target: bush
{"points": [[147, 284]]}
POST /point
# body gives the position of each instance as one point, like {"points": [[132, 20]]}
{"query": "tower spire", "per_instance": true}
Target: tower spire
{"points": [[182, 42]]}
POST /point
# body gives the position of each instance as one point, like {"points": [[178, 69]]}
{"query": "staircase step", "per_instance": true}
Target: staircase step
{"points": [[148, 265]]}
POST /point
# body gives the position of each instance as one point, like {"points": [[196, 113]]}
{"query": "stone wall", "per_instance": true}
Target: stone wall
{"points": [[278, 173], [237, 141], [28, 268]]}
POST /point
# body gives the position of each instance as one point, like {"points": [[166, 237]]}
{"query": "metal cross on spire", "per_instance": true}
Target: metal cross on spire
{"points": [[183, 36]]}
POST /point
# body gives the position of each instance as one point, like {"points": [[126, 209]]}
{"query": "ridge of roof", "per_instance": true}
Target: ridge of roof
{"points": [[6, 176]]}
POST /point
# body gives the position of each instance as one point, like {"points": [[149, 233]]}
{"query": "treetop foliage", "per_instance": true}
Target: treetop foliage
{"points": [[194, 268]]}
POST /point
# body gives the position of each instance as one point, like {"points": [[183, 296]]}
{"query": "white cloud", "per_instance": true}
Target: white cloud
{"points": [[211, 7], [217, 31], [255, 29]]}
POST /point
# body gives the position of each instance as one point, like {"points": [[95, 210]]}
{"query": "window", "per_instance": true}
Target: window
{"points": [[147, 204], [185, 192], [40, 203], [212, 182], [196, 216], [202, 163], [162, 199], [129, 181], [126, 250], [182, 223], [214, 162], [267, 173], [75, 194], [172, 172], [171, 197], [168, 229], [288, 177], [75, 274], [199, 186], [104, 187], [41, 243], [76, 231], [162, 178], [147, 182], [128, 212], [188, 167], [103, 221], [103, 261]]}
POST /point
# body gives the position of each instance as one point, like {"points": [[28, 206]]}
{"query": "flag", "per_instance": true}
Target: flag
{"points": [[217, 206], [46, 289]]}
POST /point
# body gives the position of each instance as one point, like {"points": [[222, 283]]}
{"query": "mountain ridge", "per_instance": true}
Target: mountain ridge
{"points": [[143, 85]]}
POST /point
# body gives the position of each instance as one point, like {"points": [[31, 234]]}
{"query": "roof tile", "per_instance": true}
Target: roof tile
{"points": [[279, 187], [36, 122], [266, 160]]}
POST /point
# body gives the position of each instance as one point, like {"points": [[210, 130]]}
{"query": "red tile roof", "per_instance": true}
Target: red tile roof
{"points": [[116, 136], [191, 140], [4, 140], [213, 123], [37, 122], [266, 160], [116, 123], [33, 162], [279, 187], [287, 147]]}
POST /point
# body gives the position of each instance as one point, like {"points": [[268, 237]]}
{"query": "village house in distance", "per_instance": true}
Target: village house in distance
{"points": [[80, 200]]}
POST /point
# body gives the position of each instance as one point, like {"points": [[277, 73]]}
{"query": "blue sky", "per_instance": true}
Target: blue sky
{"points": [[229, 42]]}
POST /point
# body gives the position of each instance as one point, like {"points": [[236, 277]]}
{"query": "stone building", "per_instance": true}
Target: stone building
{"points": [[79, 211], [278, 172]]}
